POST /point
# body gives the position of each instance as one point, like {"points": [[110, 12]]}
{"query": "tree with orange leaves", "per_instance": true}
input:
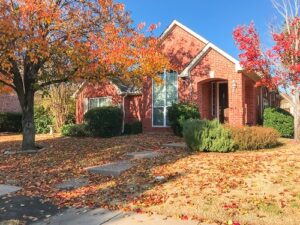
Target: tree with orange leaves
{"points": [[44, 42]]}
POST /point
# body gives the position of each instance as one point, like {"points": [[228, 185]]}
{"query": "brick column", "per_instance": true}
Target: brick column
{"points": [[237, 99]]}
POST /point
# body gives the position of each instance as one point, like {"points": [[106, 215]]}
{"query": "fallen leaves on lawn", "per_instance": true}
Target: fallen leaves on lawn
{"points": [[202, 186]]}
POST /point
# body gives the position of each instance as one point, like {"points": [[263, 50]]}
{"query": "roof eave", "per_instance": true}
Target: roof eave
{"points": [[251, 75]]}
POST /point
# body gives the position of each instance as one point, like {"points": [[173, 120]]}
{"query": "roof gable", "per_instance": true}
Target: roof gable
{"points": [[188, 30], [202, 52], [180, 46]]}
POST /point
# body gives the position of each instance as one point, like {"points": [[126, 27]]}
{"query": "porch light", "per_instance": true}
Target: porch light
{"points": [[234, 86]]}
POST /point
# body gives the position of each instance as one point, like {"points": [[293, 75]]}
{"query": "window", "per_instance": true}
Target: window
{"points": [[99, 102], [164, 94]]}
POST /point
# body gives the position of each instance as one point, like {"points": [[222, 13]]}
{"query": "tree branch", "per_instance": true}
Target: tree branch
{"points": [[58, 81]]}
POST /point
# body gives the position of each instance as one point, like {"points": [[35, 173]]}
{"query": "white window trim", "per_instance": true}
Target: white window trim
{"points": [[165, 102], [103, 97]]}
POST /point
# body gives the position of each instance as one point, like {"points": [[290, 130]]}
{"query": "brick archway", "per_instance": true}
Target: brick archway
{"points": [[213, 99]]}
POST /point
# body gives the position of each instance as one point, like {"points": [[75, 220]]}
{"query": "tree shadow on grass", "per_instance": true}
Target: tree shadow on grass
{"points": [[67, 158]]}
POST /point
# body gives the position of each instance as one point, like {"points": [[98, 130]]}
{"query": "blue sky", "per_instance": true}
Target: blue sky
{"points": [[212, 19]]}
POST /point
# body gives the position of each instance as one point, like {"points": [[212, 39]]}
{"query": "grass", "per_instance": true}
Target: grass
{"points": [[251, 187]]}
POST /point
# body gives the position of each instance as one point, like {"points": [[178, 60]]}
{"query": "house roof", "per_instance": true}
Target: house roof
{"points": [[122, 89], [125, 89], [176, 23]]}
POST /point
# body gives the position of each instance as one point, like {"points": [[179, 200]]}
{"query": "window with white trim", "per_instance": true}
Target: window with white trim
{"points": [[99, 102], [164, 94]]}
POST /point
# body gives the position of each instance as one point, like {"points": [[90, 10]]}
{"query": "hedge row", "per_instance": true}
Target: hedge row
{"points": [[207, 136], [211, 136], [10, 122], [133, 128], [280, 120]]}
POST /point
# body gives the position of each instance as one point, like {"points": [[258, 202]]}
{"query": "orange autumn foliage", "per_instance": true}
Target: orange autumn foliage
{"points": [[70, 40], [44, 42]]}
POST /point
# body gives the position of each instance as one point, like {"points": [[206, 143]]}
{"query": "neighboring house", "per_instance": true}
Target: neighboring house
{"points": [[285, 104], [9, 103], [206, 76]]}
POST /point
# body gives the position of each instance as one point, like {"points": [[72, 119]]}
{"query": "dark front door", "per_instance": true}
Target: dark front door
{"points": [[223, 101]]}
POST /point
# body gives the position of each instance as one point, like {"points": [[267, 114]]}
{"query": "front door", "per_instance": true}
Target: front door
{"points": [[222, 101]]}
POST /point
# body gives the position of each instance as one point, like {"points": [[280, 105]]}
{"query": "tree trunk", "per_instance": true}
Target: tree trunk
{"points": [[296, 113], [28, 125], [297, 123]]}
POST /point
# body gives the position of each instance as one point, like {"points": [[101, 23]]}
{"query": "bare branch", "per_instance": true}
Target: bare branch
{"points": [[58, 81]]}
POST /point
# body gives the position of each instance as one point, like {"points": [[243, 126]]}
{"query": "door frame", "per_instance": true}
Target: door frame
{"points": [[218, 97]]}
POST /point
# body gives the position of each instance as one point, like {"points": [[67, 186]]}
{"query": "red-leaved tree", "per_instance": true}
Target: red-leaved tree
{"points": [[279, 67], [45, 42]]}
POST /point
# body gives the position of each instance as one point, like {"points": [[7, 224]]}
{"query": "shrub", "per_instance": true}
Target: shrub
{"points": [[10, 122], [74, 130], [253, 138], [180, 112], [280, 120], [127, 128], [71, 118], [104, 121], [192, 130], [209, 136], [137, 127], [43, 120], [133, 128]]}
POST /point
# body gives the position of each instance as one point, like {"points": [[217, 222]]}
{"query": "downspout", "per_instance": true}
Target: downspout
{"points": [[124, 112]]}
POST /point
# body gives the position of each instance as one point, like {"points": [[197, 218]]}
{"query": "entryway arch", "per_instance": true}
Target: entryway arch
{"points": [[213, 97]]}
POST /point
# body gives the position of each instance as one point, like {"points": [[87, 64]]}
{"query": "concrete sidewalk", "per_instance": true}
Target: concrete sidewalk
{"points": [[106, 217]]}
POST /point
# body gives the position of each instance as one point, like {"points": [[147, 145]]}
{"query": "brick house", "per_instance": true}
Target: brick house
{"points": [[207, 76], [9, 103]]}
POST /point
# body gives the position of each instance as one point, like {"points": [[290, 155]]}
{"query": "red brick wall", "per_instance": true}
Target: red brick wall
{"points": [[9, 103], [251, 101], [181, 47], [204, 100], [92, 91], [133, 105]]}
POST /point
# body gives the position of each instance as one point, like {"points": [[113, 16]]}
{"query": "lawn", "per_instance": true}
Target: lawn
{"points": [[259, 187]]}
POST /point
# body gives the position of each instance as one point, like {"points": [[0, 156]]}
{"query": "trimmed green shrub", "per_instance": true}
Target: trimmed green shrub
{"points": [[43, 120], [208, 136], [137, 127], [74, 130], [133, 128], [104, 121], [253, 138], [192, 131], [280, 120], [10, 122], [180, 112], [127, 128]]}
